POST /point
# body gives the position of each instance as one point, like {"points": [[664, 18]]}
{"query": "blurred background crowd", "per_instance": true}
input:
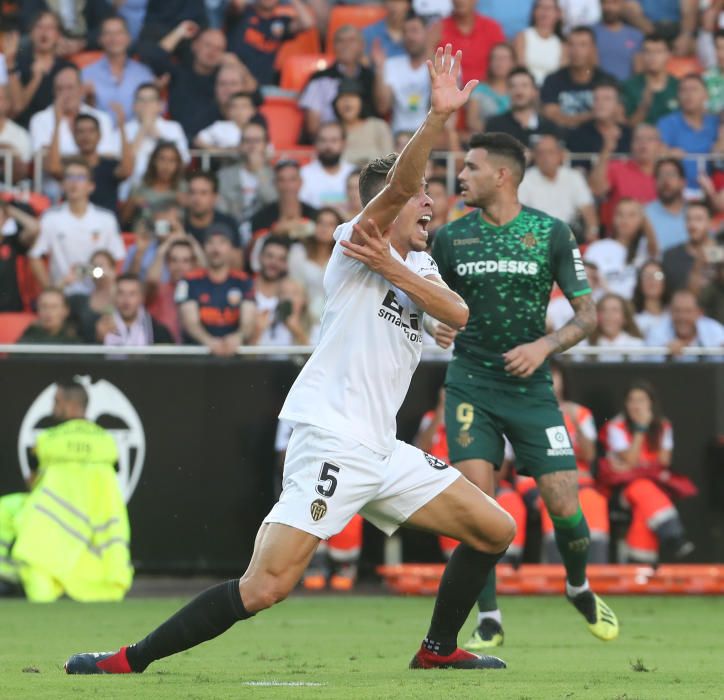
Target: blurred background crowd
{"points": [[173, 171]]}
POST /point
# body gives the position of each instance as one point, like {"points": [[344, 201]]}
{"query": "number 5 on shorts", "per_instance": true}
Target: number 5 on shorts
{"points": [[328, 475]]}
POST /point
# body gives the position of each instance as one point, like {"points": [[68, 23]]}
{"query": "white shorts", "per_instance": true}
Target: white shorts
{"points": [[328, 478]]}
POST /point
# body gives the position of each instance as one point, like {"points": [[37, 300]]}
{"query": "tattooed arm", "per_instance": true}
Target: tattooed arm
{"points": [[525, 359]]}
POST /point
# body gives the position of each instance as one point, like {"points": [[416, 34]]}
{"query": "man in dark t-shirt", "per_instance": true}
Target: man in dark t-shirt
{"points": [[18, 231]]}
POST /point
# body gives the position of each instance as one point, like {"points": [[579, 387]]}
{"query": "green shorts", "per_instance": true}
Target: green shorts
{"points": [[480, 411]]}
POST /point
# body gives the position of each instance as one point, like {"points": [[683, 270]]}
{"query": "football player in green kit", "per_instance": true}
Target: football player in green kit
{"points": [[503, 259]]}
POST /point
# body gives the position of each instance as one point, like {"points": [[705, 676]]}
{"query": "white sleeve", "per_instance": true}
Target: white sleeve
{"points": [[340, 265], [181, 143], [309, 98], [667, 438], [3, 71], [284, 434], [39, 133], [588, 428], [581, 191], [427, 267], [617, 440], [42, 243], [23, 145]]}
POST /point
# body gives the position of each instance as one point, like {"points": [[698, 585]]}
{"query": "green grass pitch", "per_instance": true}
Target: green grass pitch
{"points": [[359, 647]]}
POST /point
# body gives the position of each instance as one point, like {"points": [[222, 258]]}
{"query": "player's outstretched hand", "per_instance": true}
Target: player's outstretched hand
{"points": [[375, 249], [444, 70], [525, 359], [444, 335]]}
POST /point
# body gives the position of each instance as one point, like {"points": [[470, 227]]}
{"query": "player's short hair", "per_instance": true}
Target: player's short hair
{"points": [[675, 162], [505, 146], [373, 177], [74, 392]]}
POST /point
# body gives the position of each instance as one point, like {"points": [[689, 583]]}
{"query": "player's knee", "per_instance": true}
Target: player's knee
{"points": [[496, 538], [264, 593]]}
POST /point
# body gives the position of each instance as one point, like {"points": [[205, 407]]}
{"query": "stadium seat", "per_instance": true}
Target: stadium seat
{"points": [[357, 15], [302, 154], [304, 43], [85, 58], [13, 325], [284, 119], [297, 70], [679, 66]]}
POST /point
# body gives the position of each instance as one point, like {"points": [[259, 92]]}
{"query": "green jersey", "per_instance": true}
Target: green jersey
{"points": [[505, 275]]}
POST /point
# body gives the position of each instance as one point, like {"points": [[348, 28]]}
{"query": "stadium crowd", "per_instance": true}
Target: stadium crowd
{"points": [[194, 158]]}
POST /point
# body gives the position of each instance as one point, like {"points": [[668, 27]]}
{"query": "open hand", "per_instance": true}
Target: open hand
{"points": [[375, 251], [525, 359], [444, 70]]}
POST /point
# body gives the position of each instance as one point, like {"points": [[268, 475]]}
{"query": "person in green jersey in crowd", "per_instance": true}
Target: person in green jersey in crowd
{"points": [[70, 534], [503, 259]]}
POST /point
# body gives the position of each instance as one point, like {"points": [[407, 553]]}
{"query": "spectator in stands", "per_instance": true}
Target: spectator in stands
{"points": [[691, 129], [32, 68], [148, 128], [666, 213], [216, 304], [115, 77], [632, 242], [560, 311], [711, 19], [605, 130], [134, 12], [473, 34], [258, 32], [18, 231], [52, 326], [308, 260], [130, 324], [711, 290], [108, 172], [567, 94], [651, 297], [287, 216], [653, 93], [697, 254], [366, 137], [323, 180], [14, 138], [87, 309], [539, 47], [238, 112], [577, 13], [247, 186], [353, 205], [523, 121], [676, 20], [714, 77], [80, 22], [317, 98], [618, 43], [629, 177], [558, 189], [639, 443], [290, 322], [388, 33], [176, 257], [231, 78], [202, 216], [67, 105], [491, 98], [402, 83], [162, 183], [162, 16], [437, 191], [687, 327], [273, 268], [615, 327], [72, 232]]}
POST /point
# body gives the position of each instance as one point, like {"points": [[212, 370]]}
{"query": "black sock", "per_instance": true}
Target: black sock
{"points": [[462, 580], [207, 616]]}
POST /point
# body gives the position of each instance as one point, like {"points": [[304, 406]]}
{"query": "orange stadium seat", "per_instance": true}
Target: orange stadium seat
{"points": [[85, 58], [13, 325], [357, 15], [679, 66], [284, 120], [304, 43], [298, 69]]}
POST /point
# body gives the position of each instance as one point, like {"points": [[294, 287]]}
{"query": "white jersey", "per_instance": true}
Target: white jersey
{"points": [[370, 344]]}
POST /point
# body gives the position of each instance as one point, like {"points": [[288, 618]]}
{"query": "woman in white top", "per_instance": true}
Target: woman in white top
{"points": [[615, 328], [308, 260], [651, 297], [539, 47], [617, 258]]}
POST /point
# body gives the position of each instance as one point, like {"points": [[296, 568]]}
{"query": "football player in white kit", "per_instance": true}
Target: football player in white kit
{"points": [[343, 457]]}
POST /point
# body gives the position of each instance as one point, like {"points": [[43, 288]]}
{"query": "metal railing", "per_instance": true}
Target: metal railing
{"points": [[281, 350]]}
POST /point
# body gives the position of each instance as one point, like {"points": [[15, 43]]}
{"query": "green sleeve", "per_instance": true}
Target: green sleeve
{"points": [[567, 263], [441, 255]]}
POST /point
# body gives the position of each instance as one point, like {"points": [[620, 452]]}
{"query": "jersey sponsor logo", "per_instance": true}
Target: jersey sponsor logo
{"points": [[560, 443], [434, 462], [511, 267], [466, 241], [112, 410], [233, 297], [318, 509], [392, 312], [578, 265]]}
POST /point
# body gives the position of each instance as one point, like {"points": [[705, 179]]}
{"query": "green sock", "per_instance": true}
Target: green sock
{"points": [[573, 539], [487, 601]]}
